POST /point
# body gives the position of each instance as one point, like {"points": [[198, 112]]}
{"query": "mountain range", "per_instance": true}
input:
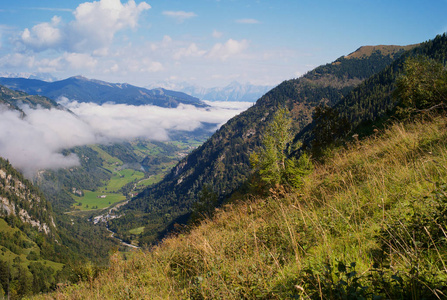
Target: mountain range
{"points": [[81, 89], [235, 91]]}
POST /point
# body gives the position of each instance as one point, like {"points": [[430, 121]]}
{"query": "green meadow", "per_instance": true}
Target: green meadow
{"points": [[122, 177], [93, 200]]}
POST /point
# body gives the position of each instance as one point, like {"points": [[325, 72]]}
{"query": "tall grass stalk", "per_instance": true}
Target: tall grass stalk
{"points": [[370, 221]]}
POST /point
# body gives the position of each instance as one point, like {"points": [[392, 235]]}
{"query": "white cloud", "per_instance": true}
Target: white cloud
{"points": [[43, 35], [247, 21], [16, 60], [179, 16], [94, 26], [230, 48], [96, 23], [191, 51], [80, 60], [234, 105], [36, 141]]}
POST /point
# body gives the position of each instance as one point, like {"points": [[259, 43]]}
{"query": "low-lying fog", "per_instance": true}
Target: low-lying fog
{"points": [[34, 142]]}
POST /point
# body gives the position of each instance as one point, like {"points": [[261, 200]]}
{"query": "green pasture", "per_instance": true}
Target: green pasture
{"points": [[122, 177], [91, 201]]}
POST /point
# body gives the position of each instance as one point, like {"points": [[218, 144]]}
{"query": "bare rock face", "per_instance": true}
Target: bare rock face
{"points": [[19, 198]]}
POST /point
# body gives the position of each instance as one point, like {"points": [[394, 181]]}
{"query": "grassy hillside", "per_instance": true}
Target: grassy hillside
{"points": [[368, 223], [223, 161], [366, 51]]}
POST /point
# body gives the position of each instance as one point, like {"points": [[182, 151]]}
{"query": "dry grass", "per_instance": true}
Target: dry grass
{"points": [[348, 210]]}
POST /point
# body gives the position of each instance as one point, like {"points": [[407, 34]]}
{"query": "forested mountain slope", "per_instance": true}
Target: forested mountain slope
{"points": [[21, 201], [223, 161], [29, 240], [373, 99], [39, 248]]}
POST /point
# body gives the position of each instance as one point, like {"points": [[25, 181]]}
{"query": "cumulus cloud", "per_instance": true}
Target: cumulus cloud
{"points": [[96, 23], [179, 16], [43, 35], [35, 142], [230, 48], [94, 26]]}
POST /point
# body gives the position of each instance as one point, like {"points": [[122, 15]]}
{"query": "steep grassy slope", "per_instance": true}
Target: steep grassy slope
{"points": [[223, 161], [369, 223]]}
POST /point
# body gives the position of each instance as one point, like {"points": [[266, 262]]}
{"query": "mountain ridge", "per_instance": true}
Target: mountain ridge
{"points": [[384, 49], [15, 99], [82, 89]]}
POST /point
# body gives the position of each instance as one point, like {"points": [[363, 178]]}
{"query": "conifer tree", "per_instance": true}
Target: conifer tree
{"points": [[273, 162], [270, 160]]}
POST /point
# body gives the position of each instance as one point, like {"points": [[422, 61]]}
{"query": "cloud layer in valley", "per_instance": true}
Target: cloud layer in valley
{"points": [[35, 142]]}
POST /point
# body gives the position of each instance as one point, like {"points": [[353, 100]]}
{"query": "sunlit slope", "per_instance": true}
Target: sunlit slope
{"points": [[223, 161], [361, 224]]}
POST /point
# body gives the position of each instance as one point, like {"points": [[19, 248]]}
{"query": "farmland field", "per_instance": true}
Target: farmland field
{"points": [[92, 200]]}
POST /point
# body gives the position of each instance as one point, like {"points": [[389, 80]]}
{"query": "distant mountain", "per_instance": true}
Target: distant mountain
{"points": [[82, 89], [41, 76], [223, 161], [235, 91]]}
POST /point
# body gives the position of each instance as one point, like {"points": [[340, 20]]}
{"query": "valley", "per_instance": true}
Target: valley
{"points": [[132, 167], [227, 203], [221, 149]]}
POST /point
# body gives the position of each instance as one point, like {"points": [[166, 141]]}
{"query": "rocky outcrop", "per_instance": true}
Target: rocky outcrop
{"points": [[17, 198]]}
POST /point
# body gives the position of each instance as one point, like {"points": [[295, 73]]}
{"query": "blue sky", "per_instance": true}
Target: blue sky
{"points": [[202, 42]]}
